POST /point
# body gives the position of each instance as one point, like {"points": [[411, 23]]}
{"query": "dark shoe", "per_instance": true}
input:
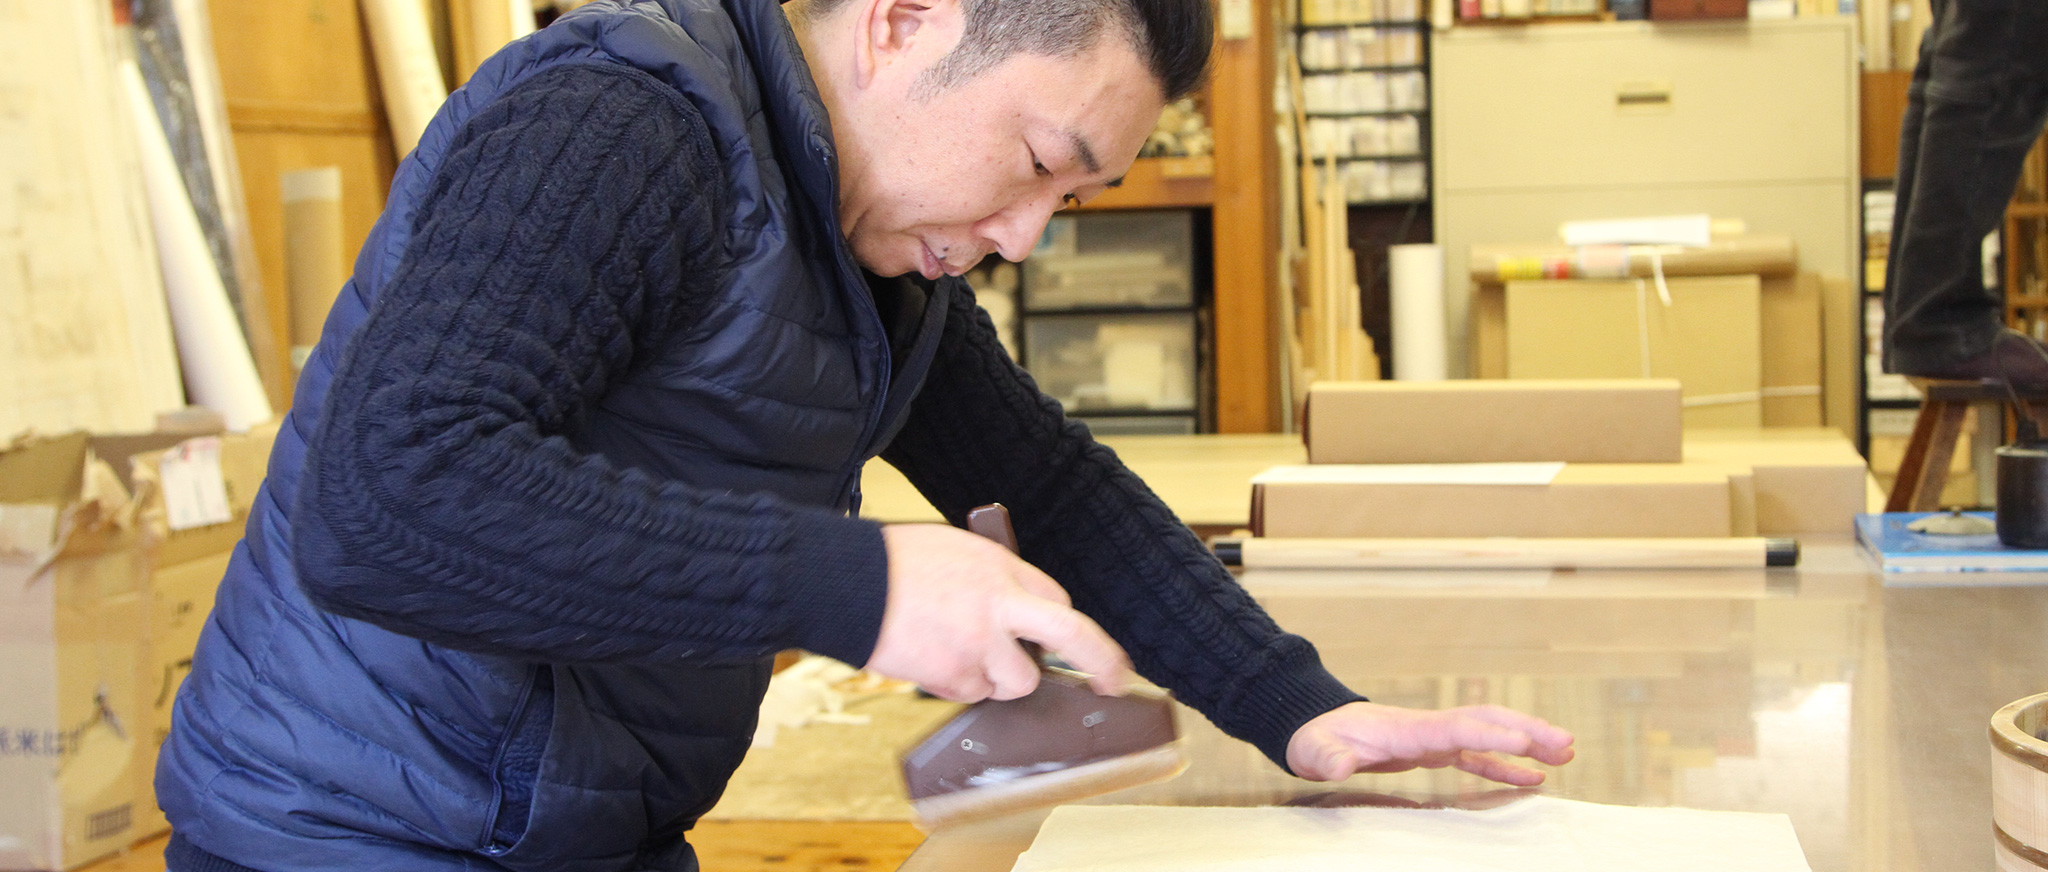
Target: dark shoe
{"points": [[2014, 357]]}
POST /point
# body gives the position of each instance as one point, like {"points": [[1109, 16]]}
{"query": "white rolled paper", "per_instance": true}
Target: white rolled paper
{"points": [[1417, 278], [219, 371]]}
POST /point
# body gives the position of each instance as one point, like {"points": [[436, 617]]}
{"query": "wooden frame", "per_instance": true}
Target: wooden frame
{"points": [[1247, 260]]}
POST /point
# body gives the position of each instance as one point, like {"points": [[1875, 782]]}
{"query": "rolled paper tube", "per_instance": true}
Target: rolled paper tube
{"points": [[315, 253], [220, 374], [1417, 279], [1263, 553]]}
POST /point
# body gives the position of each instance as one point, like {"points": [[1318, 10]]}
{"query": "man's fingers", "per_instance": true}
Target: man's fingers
{"points": [[1493, 768], [1040, 585], [1535, 738], [964, 689], [1072, 636], [1467, 729], [1542, 732], [1011, 673]]}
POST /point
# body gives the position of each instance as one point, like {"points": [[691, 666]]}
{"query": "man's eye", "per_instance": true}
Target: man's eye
{"points": [[1040, 169]]}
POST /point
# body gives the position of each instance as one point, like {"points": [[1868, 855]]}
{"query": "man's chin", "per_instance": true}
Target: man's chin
{"points": [[890, 268]]}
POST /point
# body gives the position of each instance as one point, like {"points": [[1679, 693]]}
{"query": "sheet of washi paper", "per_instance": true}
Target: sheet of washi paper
{"points": [[1537, 834]]}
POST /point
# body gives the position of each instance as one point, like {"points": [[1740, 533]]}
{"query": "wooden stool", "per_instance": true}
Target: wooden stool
{"points": [[1924, 471]]}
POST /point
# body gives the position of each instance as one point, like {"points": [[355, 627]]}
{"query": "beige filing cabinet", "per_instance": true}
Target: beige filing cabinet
{"points": [[1540, 125]]}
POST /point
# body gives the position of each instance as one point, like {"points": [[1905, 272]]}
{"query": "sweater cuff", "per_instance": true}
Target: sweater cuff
{"points": [[1293, 691], [838, 579]]}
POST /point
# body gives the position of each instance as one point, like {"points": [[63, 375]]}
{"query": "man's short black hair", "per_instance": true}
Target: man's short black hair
{"points": [[1171, 36]]}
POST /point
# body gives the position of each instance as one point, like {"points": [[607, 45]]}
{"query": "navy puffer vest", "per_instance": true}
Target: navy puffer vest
{"points": [[304, 740]]}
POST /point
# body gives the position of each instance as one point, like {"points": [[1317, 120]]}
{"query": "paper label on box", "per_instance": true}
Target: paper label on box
{"points": [[195, 492], [27, 530], [1413, 473]]}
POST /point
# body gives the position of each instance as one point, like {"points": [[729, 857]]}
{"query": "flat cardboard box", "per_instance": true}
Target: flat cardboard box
{"points": [[1842, 355], [72, 625], [1790, 332], [1708, 338], [186, 569], [1471, 421], [1808, 480], [1590, 500]]}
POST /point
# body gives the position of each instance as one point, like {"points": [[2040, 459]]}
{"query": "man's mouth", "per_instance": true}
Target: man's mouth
{"points": [[931, 267]]}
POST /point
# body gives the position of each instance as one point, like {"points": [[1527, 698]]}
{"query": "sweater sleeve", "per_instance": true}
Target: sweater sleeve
{"points": [[982, 432], [572, 225]]}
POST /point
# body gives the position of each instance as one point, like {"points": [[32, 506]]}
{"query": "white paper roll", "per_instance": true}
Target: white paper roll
{"points": [[219, 371], [1417, 277]]}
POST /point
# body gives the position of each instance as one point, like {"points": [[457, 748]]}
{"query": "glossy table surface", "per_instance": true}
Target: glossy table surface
{"points": [[1858, 710]]}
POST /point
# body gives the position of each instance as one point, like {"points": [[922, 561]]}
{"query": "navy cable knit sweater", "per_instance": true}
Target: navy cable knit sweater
{"points": [[568, 230]]}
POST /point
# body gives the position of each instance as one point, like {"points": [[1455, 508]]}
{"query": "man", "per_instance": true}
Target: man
{"points": [[575, 455], [1977, 102]]}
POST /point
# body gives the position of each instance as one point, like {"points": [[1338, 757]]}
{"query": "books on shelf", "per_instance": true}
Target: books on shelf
{"points": [[1897, 549]]}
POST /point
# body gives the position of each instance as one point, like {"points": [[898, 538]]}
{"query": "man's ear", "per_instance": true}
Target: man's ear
{"points": [[894, 33]]}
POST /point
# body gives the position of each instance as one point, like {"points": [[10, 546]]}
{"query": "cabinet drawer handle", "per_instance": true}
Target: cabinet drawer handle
{"points": [[1642, 95]]}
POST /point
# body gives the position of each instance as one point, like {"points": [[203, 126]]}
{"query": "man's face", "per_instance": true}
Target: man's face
{"points": [[932, 185]]}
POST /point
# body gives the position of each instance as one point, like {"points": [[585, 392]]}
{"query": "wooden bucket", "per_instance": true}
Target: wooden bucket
{"points": [[2019, 785]]}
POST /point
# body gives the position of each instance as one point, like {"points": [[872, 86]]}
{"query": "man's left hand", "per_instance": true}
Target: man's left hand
{"points": [[1368, 737]]}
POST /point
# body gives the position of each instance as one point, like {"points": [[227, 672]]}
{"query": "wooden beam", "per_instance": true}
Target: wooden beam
{"points": [[1883, 108], [1247, 235]]}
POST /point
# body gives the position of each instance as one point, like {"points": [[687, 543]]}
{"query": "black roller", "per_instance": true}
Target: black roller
{"points": [[1230, 551], [1781, 552]]}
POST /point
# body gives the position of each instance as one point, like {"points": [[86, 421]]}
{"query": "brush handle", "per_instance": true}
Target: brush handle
{"points": [[992, 522]]}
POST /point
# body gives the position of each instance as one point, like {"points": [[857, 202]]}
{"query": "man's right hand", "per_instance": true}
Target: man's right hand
{"points": [[957, 605]]}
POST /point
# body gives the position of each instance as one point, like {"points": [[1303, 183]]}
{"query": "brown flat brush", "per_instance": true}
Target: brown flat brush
{"points": [[1058, 743]]}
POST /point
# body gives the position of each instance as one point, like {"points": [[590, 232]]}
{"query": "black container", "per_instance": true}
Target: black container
{"points": [[2023, 494]]}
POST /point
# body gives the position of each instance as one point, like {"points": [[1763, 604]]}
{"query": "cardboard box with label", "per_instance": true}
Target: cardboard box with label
{"points": [[1589, 500], [1707, 335], [1579, 421], [195, 500], [72, 656]]}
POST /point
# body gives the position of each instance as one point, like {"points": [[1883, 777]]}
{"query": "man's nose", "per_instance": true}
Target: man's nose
{"points": [[1014, 231]]}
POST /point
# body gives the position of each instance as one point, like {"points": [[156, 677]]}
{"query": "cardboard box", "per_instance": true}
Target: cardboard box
{"points": [[1584, 500], [186, 568], [1806, 332], [1741, 499], [72, 624], [1790, 333], [1842, 357], [1708, 338], [1808, 480], [1580, 421]]}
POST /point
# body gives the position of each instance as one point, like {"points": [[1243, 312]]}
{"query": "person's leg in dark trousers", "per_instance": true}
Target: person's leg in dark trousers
{"points": [[1978, 99]]}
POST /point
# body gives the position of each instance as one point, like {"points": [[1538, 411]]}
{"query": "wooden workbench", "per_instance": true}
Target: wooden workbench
{"points": [[1857, 710]]}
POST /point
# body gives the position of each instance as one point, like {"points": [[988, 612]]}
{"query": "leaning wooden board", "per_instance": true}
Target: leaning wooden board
{"points": [[85, 335]]}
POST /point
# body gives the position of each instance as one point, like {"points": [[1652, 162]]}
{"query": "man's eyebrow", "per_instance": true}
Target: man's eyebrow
{"points": [[1084, 152]]}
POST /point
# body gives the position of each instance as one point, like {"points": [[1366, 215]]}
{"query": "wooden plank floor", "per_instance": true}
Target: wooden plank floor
{"points": [[722, 846]]}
